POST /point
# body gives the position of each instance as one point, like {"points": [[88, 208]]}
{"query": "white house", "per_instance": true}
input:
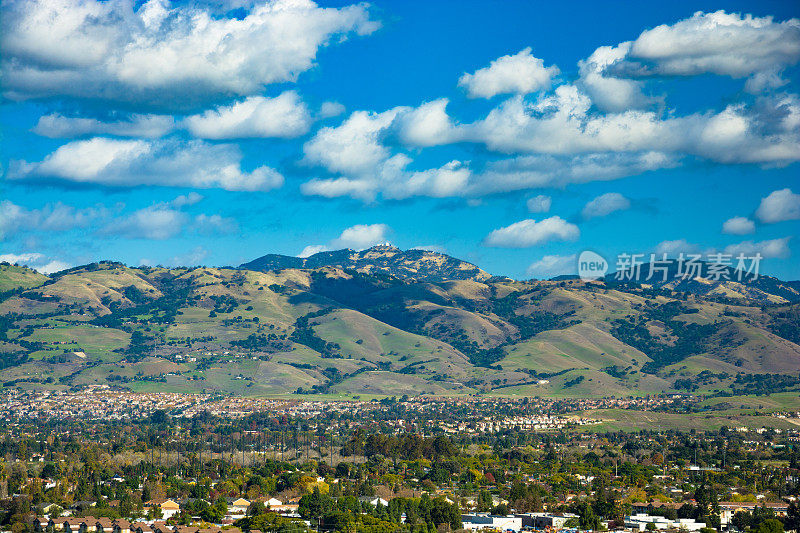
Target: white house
{"points": [[273, 502], [238, 506], [373, 500]]}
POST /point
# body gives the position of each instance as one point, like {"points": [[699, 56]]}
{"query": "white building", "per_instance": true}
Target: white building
{"points": [[373, 500], [638, 522], [238, 506], [545, 520], [273, 502], [479, 521]]}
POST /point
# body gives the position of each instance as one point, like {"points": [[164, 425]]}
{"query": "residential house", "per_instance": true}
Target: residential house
{"points": [[238, 506], [121, 526], [168, 507], [373, 500], [104, 525], [140, 527], [273, 503]]}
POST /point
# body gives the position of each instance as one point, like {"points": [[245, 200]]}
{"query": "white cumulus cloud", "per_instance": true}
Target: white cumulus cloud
{"points": [[676, 247], [362, 236], [164, 220], [353, 147], [312, 249], [553, 265], [773, 248], [539, 204], [156, 223], [284, 116], [738, 226], [367, 167], [426, 125], [331, 109], [130, 163], [607, 92], [563, 123], [720, 43], [605, 204], [534, 171], [208, 224], [56, 125], [529, 232], [160, 55], [521, 73], [779, 206], [52, 217], [36, 261]]}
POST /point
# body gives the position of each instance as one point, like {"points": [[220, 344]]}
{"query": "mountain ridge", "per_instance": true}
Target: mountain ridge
{"points": [[415, 264], [387, 322]]}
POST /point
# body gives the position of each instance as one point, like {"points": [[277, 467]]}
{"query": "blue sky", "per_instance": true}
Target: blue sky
{"points": [[511, 134]]}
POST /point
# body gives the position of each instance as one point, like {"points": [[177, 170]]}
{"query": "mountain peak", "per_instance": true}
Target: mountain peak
{"points": [[414, 264], [383, 247]]}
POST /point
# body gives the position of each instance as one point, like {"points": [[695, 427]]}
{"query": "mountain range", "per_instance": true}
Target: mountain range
{"points": [[384, 321]]}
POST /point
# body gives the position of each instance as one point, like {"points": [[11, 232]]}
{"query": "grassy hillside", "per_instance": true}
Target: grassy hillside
{"points": [[17, 277], [364, 331]]}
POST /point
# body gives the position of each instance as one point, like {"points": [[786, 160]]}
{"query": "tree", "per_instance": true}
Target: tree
{"points": [[587, 519], [442, 512], [214, 513], [484, 502], [256, 508], [792, 520], [501, 509], [315, 505], [126, 507], [742, 520], [770, 525]]}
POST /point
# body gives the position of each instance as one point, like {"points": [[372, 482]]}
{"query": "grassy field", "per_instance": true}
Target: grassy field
{"points": [[632, 420], [782, 401], [392, 384], [97, 343]]}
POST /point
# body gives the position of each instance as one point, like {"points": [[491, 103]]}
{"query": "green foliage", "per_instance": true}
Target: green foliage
{"points": [[407, 446], [140, 345], [182, 311], [484, 502], [587, 519], [315, 505], [576, 381], [304, 334], [691, 339], [770, 525], [272, 522], [761, 384], [786, 323]]}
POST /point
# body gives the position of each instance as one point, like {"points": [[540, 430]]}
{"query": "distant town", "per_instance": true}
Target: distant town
{"points": [[100, 460]]}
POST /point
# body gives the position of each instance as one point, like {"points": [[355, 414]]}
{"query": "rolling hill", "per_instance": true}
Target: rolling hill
{"points": [[388, 322]]}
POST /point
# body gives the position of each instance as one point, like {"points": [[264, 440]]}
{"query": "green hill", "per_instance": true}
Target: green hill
{"points": [[388, 322]]}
